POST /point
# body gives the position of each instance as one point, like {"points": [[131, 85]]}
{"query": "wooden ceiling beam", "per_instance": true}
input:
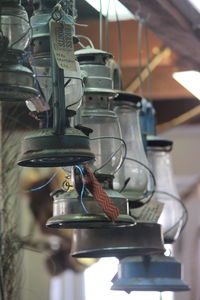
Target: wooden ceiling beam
{"points": [[167, 23], [155, 61]]}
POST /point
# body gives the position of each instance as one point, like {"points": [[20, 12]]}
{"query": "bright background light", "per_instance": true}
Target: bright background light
{"points": [[98, 283], [196, 4], [190, 80], [114, 6]]}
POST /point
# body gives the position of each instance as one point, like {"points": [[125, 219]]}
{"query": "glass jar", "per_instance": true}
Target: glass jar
{"points": [[173, 214], [132, 170]]}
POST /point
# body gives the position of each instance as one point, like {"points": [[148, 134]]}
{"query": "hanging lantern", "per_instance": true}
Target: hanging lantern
{"points": [[106, 144], [71, 212], [96, 111], [133, 175], [61, 145], [41, 62], [174, 212], [149, 273], [140, 239], [16, 81]]}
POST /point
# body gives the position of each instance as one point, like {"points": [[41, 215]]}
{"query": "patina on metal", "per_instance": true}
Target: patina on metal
{"points": [[97, 76], [16, 83], [44, 148], [141, 239], [149, 273], [68, 211]]}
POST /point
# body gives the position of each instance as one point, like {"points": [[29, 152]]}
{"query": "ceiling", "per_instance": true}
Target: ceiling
{"points": [[171, 32], [172, 24]]}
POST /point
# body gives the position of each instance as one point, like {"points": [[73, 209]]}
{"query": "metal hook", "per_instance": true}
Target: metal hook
{"points": [[57, 13]]}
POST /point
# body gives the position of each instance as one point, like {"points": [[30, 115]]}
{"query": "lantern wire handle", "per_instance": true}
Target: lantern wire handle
{"points": [[148, 194], [21, 38], [114, 153], [87, 39], [80, 99], [184, 215]]}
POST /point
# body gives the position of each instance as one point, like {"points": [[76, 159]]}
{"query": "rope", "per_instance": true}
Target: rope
{"points": [[100, 195]]}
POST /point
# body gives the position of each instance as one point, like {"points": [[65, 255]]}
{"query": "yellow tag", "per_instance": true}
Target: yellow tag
{"points": [[62, 43]]}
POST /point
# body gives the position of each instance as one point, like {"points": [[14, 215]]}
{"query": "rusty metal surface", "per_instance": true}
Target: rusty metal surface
{"points": [[45, 149]]}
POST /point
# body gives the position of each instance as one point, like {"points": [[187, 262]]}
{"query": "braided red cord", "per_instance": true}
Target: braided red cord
{"points": [[95, 188]]}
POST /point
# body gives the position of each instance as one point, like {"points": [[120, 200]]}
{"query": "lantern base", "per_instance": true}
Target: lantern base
{"points": [[68, 211], [45, 149], [149, 273], [141, 239], [88, 221]]}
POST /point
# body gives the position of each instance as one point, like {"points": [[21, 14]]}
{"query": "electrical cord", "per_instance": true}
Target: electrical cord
{"points": [[45, 184], [82, 190]]}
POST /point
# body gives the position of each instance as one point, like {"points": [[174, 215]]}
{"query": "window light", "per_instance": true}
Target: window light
{"points": [[190, 80], [115, 7]]}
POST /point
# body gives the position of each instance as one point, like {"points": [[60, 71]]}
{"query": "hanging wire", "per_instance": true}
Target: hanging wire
{"points": [[100, 26], [114, 153], [184, 215], [82, 190], [139, 53], [119, 35], [149, 78], [107, 27]]}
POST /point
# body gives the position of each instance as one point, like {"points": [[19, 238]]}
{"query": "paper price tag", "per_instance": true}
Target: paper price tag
{"points": [[149, 212], [62, 44]]}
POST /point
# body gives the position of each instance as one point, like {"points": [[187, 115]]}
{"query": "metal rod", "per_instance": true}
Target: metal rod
{"points": [[58, 96], [100, 26]]}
